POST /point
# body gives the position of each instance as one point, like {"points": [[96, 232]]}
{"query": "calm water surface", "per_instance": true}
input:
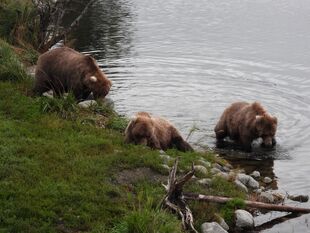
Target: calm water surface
{"points": [[187, 60]]}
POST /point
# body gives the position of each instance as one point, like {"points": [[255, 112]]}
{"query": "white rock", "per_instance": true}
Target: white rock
{"points": [[248, 181], [212, 227], [255, 174], [48, 94], [87, 103], [241, 186], [200, 168], [205, 181], [267, 180], [244, 220], [266, 197], [162, 152]]}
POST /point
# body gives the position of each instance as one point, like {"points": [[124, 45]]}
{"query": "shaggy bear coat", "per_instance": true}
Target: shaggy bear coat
{"points": [[64, 69], [244, 122], [154, 132]]}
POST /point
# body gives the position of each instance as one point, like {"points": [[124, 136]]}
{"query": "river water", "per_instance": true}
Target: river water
{"points": [[188, 60]]}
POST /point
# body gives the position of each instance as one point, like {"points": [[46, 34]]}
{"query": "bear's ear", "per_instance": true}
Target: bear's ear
{"points": [[275, 119], [90, 61]]}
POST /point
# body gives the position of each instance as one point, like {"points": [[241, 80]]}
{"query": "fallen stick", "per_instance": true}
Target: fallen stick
{"points": [[254, 204]]}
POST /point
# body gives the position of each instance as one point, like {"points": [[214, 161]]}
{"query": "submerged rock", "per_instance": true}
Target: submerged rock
{"points": [[300, 198], [212, 227], [244, 220], [248, 181]]}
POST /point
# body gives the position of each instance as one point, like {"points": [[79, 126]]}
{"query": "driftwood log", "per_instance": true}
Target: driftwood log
{"points": [[175, 199]]}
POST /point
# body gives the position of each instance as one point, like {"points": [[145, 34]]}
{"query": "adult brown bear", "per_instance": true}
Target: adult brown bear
{"points": [[154, 132], [244, 122], [64, 69]]}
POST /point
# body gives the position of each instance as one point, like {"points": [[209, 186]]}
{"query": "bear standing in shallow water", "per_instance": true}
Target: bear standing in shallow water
{"points": [[154, 132], [244, 122], [64, 69]]}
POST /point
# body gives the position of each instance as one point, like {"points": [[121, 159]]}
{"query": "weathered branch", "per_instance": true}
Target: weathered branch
{"points": [[174, 198], [254, 204]]}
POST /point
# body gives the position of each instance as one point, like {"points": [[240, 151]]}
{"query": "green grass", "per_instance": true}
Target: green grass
{"points": [[59, 167], [10, 67]]}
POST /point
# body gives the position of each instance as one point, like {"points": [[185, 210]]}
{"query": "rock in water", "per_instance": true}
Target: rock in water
{"points": [[212, 227], [244, 220]]}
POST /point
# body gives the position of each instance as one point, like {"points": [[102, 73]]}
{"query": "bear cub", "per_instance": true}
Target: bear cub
{"points": [[154, 132], [244, 122], [64, 69]]}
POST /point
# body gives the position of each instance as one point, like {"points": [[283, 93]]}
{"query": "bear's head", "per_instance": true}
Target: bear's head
{"points": [[266, 127], [140, 130], [96, 80]]}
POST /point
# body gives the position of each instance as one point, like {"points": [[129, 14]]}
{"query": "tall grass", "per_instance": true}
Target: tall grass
{"points": [[11, 69], [19, 23]]}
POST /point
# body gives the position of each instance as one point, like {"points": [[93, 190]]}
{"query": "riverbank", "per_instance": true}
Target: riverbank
{"points": [[66, 169]]}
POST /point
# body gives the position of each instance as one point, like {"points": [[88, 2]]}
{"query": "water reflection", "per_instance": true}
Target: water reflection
{"points": [[188, 60]]}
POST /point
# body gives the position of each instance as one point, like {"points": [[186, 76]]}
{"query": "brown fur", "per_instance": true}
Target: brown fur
{"points": [[244, 122], [154, 132], [64, 69]]}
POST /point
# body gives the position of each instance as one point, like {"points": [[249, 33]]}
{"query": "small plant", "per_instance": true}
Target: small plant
{"points": [[228, 210], [64, 106]]}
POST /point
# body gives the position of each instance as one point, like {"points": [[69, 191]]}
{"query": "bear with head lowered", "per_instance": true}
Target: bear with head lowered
{"points": [[154, 132], [244, 122], [64, 69]]}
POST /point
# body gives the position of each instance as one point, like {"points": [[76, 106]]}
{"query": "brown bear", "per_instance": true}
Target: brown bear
{"points": [[64, 69], [244, 122], [154, 132]]}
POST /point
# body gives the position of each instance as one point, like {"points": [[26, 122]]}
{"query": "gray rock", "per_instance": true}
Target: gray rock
{"points": [[218, 166], [87, 103], [258, 191], [201, 169], [248, 181], [267, 180], [204, 163], [244, 220], [255, 174], [266, 197], [300, 198], [226, 169], [215, 170], [205, 181], [212, 227], [241, 186]]}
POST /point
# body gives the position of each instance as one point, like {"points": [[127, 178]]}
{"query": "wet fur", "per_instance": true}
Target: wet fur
{"points": [[244, 122], [64, 69], [154, 132]]}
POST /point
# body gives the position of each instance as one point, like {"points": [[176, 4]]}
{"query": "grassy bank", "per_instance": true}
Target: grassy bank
{"points": [[67, 169]]}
